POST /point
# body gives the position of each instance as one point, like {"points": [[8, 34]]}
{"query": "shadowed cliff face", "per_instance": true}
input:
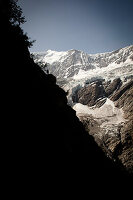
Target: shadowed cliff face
{"points": [[36, 118]]}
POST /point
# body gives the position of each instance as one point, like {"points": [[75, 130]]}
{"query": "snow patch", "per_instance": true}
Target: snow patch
{"points": [[106, 114]]}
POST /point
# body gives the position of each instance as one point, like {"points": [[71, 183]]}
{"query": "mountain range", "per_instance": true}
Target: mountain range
{"points": [[100, 90], [76, 64]]}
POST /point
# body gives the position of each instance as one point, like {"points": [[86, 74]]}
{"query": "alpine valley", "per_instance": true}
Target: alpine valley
{"points": [[100, 90]]}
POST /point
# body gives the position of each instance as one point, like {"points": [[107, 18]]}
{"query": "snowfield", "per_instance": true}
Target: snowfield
{"points": [[107, 114]]}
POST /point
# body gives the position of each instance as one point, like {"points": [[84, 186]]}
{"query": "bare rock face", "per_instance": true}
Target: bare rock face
{"points": [[90, 94], [118, 95], [114, 85], [125, 101]]}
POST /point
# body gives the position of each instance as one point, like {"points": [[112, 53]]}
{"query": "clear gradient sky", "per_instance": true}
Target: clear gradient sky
{"points": [[93, 26]]}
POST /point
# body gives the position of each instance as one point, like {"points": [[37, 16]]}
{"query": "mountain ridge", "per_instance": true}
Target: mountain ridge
{"points": [[73, 68], [40, 52], [67, 64]]}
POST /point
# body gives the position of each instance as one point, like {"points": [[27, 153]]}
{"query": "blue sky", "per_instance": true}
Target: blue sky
{"points": [[92, 26]]}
